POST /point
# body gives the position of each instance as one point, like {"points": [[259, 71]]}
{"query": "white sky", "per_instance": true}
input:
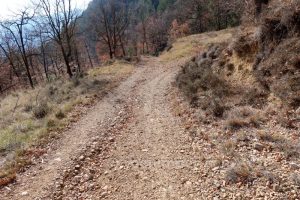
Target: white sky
{"points": [[7, 7]]}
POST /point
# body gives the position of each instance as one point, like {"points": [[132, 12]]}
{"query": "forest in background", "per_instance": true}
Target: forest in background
{"points": [[52, 39]]}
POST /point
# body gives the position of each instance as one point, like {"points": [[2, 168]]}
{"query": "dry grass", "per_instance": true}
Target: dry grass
{"points": [[266, 136], [228, 147], [246, 116], [289, 148], [116, 69], [28, 116], [189, 46], [296, 179], [241, 172]]}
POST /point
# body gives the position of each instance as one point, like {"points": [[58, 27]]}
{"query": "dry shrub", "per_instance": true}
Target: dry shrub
{"points": [[41, 111], [246, 46], [241, 117], [178, 30], [76, 81], [277, 64], [60, 114], [236, 124], [273, 31], [280, 75], [296, 179], [270, 177], [241, 172], [202, 86], [228, 147], [28, 108], [7, 178], [51, 123], [52, 90], [289, 149], [271, 137], [288, 118], [255, 97]]}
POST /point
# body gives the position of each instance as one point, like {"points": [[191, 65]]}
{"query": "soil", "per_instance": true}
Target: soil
{"points": [[128, 146]]}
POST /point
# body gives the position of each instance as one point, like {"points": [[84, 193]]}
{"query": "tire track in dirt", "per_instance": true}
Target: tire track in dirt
{"points": [[129, 146]]}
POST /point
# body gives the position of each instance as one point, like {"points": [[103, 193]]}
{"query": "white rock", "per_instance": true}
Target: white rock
{"points": [[105, 188], [81, 158], [25, 193], [57, 159]]}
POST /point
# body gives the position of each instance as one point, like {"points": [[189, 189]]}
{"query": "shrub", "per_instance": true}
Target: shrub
{"points": [[244, 117], [51, 91], [197, 78], [28, 108], [51, 123], [270, 177], [41, 111], [60, 114], [228, 147], [241, 172], [271, 137], [296, 179], [75, 81], [218, 110], [236, 124], [246, 46], [289, 149]]}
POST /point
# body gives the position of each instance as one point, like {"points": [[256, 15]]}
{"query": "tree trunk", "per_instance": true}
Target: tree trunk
{"points": [[67, 62], [89, 55]]}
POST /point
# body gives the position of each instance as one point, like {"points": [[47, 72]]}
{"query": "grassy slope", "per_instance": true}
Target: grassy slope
{"points": [[191, 45], [29, 117]]}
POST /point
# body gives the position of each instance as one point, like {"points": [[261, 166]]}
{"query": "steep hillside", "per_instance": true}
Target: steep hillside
{"points": [[260, 69], [243, 97]]}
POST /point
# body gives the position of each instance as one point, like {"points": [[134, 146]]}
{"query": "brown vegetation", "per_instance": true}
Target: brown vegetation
{"points": [[252, 83]]}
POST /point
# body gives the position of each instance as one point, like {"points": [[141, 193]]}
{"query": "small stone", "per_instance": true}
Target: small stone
{"points": [[77, 167], [215, 169], [81, 158], [25, 193], [111, 139], [188, 183], [88, 177], [105, 188], [238, 195], [258, 146], [103, 194], [294, 166], [57, 159], [81, 189], [276, 188]]}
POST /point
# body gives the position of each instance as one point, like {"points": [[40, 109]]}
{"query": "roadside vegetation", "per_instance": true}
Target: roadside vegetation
{"points": [[245, 92], [30, 118]]}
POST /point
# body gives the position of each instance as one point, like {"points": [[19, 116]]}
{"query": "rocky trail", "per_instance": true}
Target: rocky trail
{"points": [[128, 146]]}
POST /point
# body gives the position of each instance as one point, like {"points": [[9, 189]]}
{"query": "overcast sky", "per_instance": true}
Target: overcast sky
{"points": [[9, 6]]}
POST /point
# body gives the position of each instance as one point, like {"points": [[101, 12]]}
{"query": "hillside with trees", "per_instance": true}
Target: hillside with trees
{"points": [[53, 39], [150, 99]]}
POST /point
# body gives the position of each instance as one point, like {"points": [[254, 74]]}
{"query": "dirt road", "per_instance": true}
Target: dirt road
{"points": [[129, 146]]}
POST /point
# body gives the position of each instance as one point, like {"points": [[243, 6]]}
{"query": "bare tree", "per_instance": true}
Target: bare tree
{"points": [[8, 53], [109, 21], [61, 19], [18, 31]]}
